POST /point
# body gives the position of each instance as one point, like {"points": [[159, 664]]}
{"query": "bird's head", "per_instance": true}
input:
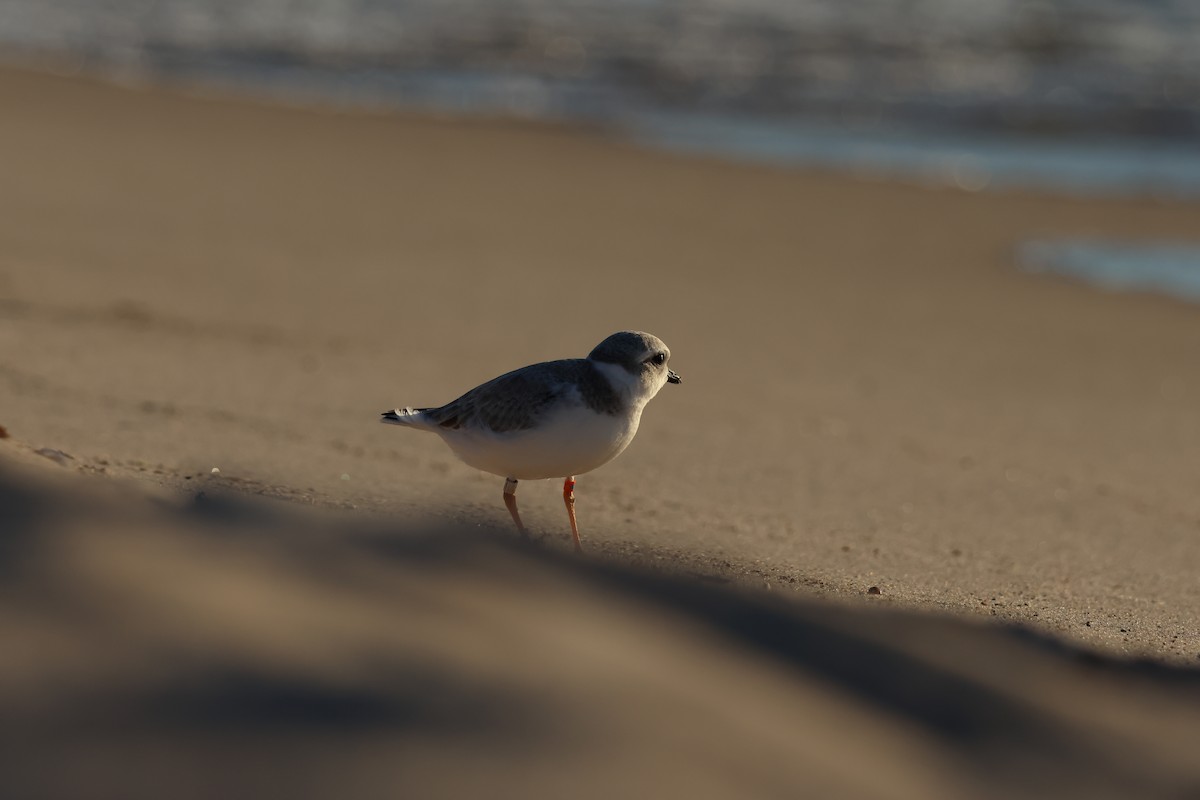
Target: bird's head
{"points": [[643, 360]]}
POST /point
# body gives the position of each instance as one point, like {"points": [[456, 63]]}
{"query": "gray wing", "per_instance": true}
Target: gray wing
{"points": [[514, 401]]}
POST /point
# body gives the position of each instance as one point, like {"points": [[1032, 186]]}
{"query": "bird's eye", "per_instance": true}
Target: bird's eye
{"points": [[659, 358]]}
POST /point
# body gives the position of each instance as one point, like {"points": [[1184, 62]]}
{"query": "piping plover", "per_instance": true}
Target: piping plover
{"points": [[557, 419]]}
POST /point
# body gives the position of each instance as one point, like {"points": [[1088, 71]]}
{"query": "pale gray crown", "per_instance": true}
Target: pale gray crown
{"points": [[628, 349]]}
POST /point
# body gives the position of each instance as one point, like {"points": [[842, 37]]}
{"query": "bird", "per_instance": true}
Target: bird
{"points": [[555, 419]]}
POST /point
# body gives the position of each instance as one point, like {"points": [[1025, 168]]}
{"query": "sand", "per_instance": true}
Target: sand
{"points": [[874, 396]]}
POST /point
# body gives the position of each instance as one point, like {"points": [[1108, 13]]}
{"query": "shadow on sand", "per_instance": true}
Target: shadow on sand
{"points": [[220, 647]]}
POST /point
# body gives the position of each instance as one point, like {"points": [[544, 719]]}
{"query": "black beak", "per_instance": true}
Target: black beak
{"points": [[673, 377]]}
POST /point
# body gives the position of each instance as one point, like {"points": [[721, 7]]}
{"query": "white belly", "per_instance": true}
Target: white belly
{"points": [[573, 441]]}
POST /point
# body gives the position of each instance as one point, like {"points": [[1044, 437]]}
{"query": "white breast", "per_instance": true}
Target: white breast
{"points": [[569, 441]]}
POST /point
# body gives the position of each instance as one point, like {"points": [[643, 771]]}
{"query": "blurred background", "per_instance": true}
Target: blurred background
{"points": [[1066, 95], [1084, 93]]}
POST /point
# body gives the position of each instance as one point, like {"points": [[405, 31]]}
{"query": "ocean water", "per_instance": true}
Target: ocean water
{"points": [[1089, 96], [1169, 268], [1122, 73]]}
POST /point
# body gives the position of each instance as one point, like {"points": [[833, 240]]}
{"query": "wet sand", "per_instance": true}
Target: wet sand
{"points": [[874, 396]]}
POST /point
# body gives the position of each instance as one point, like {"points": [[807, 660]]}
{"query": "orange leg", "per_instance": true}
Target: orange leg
{"points": [[510, 500], [569, 499]]}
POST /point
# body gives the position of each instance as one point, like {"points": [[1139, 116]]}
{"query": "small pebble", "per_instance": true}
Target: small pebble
{"points": [[58, 456], [345, 476], [215, 471], [873, 590]]}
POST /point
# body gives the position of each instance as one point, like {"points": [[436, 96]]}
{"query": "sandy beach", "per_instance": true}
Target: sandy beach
{"points": [[875, 396]]}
